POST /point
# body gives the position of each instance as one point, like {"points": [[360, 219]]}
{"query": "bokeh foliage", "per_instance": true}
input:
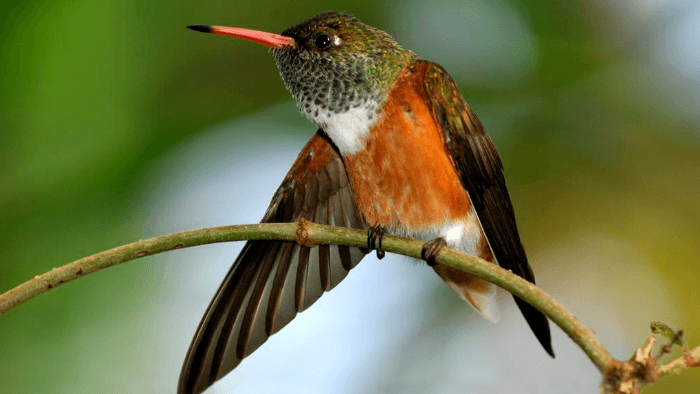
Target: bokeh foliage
{"points": [[599, 135]]}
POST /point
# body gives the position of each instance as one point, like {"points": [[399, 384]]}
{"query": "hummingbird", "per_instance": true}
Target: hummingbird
{"points": [[398, 151]]}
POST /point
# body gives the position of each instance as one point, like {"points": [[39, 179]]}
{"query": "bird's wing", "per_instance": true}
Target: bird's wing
{"points": [[481, 171], [271, 281]]}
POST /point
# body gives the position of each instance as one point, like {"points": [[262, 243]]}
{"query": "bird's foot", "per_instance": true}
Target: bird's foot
{"points": [[431, 250], [374, 241]]}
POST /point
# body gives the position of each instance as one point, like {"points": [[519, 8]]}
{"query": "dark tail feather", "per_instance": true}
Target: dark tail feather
{"points": [[538, 323]]}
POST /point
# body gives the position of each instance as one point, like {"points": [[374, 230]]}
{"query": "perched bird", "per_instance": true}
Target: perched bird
{"points": [[398, 151]]}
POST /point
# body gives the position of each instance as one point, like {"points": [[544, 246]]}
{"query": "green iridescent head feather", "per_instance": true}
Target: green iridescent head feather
{"points": [[338, 63]]}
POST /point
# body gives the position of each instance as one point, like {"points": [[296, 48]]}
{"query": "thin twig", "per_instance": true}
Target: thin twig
{"points": [[689, 359], [87, 265], [309, 234]]}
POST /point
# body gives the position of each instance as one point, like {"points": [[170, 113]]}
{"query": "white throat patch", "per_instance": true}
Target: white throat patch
{"points": [[348, 129]]}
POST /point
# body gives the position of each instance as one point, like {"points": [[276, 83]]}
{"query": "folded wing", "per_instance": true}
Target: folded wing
{"points": [[481, 171]]}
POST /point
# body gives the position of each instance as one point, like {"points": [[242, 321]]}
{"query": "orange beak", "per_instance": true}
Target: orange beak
{"points": [[268, 39]]}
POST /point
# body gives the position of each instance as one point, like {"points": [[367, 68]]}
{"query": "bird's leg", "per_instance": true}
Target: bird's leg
{"points": [[374, 241], [431, 250]]}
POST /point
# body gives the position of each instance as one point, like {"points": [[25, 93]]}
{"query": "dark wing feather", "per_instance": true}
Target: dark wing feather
{"points": [[481, 172], [271, 281]]}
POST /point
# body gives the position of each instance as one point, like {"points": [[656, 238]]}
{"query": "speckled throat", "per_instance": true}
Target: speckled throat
{"points": [[324, 85], [340, 87]]}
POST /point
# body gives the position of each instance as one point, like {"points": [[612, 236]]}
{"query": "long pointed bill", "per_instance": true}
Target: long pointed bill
{"points": [[268, 39]]}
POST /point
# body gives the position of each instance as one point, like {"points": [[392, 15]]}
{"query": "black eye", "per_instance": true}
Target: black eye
{"points": [[322, 41]]}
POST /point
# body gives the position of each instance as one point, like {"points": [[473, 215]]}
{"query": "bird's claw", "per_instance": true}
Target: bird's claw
{"points": [[431, 250], [374, 241]]}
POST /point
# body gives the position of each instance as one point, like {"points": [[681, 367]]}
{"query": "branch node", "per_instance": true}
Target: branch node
{"points": [[304, 233], [629, 376]]}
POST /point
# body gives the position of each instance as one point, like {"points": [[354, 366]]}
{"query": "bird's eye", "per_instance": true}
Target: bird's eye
{"points": [[322, 41]]}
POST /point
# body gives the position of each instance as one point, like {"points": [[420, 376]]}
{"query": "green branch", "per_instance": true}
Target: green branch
{"points": [[309, 234]]}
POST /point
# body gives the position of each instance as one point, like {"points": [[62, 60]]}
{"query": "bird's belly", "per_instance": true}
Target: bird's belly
{"points": [[465, 235]]}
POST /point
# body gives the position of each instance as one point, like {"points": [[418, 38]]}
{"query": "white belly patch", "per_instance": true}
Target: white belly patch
{"points": [[348, 129], [462, 235]]}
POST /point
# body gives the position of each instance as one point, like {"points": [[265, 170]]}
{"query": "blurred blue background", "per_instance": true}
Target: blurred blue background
{"points": [[119, 124]]}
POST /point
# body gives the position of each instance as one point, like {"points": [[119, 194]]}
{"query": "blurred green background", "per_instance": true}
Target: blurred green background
{"points": [[119, 124]]}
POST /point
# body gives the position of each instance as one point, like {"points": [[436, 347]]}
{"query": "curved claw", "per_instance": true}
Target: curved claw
{"points": [[374, 241], [431, 250]]}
